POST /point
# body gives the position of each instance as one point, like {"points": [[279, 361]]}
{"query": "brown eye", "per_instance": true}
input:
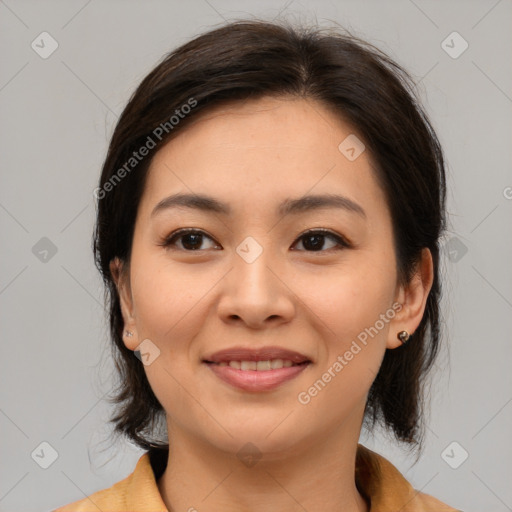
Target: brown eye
{"points": [[188, 240], [321, 240]]}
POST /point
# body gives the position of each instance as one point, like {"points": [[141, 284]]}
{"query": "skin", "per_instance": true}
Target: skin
{"points": [[252, 156]]}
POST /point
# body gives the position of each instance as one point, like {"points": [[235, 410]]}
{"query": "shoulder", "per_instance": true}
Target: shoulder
{"points": [[137, 491], [107, 499], [426, 503], [388, 490], [113, 498]]}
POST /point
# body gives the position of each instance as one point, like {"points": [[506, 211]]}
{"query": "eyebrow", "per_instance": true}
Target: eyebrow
{"points": [[289, 206]]}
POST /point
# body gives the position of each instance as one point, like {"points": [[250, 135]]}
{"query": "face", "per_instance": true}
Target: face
{"points": [[259, 266]]}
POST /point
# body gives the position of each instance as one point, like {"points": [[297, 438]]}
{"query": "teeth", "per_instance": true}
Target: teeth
{"points": [[248, 365], [262, 366]]}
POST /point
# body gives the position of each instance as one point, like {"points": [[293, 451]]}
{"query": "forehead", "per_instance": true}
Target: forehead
{"points": [[271, 148], [268, 122]]}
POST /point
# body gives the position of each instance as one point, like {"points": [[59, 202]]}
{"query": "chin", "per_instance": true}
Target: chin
{"points": [[273, 436]]}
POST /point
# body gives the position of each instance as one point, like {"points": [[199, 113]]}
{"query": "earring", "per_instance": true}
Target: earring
{"points": [[403, 336], [128, 334]]}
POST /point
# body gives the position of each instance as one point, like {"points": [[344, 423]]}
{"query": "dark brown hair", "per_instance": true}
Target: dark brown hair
{"points": [[356, 81]]}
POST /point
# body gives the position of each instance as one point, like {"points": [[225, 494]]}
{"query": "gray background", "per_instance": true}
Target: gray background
{"points": [[57, 115]]}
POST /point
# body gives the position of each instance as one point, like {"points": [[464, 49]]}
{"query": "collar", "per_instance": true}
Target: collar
{"points": [[382, 485]]}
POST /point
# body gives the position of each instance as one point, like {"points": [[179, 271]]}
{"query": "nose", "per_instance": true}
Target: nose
{"points": [[256, 294]]}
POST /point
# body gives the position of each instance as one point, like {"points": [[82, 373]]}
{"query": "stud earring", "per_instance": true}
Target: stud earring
{"points": [[403, 336], [128, 334]]}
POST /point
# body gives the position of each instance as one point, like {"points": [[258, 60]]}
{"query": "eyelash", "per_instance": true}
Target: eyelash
{"points": [[342, 243]]}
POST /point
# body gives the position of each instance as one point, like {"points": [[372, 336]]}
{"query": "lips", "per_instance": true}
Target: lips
{"points": [[256, 370], [262, 354]]}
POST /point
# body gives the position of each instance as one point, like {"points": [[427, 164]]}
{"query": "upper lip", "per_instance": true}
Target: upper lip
{"points": [[259, 354]]}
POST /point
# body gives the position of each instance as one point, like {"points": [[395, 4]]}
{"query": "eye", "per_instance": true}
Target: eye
{"points": [[188, 240], [312, 241], [315, 241]]}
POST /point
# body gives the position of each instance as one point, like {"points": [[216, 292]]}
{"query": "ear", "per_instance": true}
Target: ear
{"points": [[121, 277], [413, 298]]}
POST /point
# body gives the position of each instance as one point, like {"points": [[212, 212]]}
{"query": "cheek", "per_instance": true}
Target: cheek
{"points": [[167, 296], [159, 304], [347, 315], [167, 309], [351, 307], [346, 299]]}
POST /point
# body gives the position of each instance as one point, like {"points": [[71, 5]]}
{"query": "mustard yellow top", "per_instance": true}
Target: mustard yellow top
{"points": [[383, 486]]}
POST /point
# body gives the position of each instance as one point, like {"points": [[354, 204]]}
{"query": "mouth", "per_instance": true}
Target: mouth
{"points": [[259, 366], [256, 370], [272, 355]]}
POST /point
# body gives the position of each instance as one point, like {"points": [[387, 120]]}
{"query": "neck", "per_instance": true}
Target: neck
{"points": [[316, 477]]}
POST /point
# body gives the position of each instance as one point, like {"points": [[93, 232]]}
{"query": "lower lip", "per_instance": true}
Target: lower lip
{"points": [[255, 380]]}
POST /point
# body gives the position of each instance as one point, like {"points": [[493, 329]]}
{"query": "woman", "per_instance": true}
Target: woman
{"points": [[269, 215]]}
